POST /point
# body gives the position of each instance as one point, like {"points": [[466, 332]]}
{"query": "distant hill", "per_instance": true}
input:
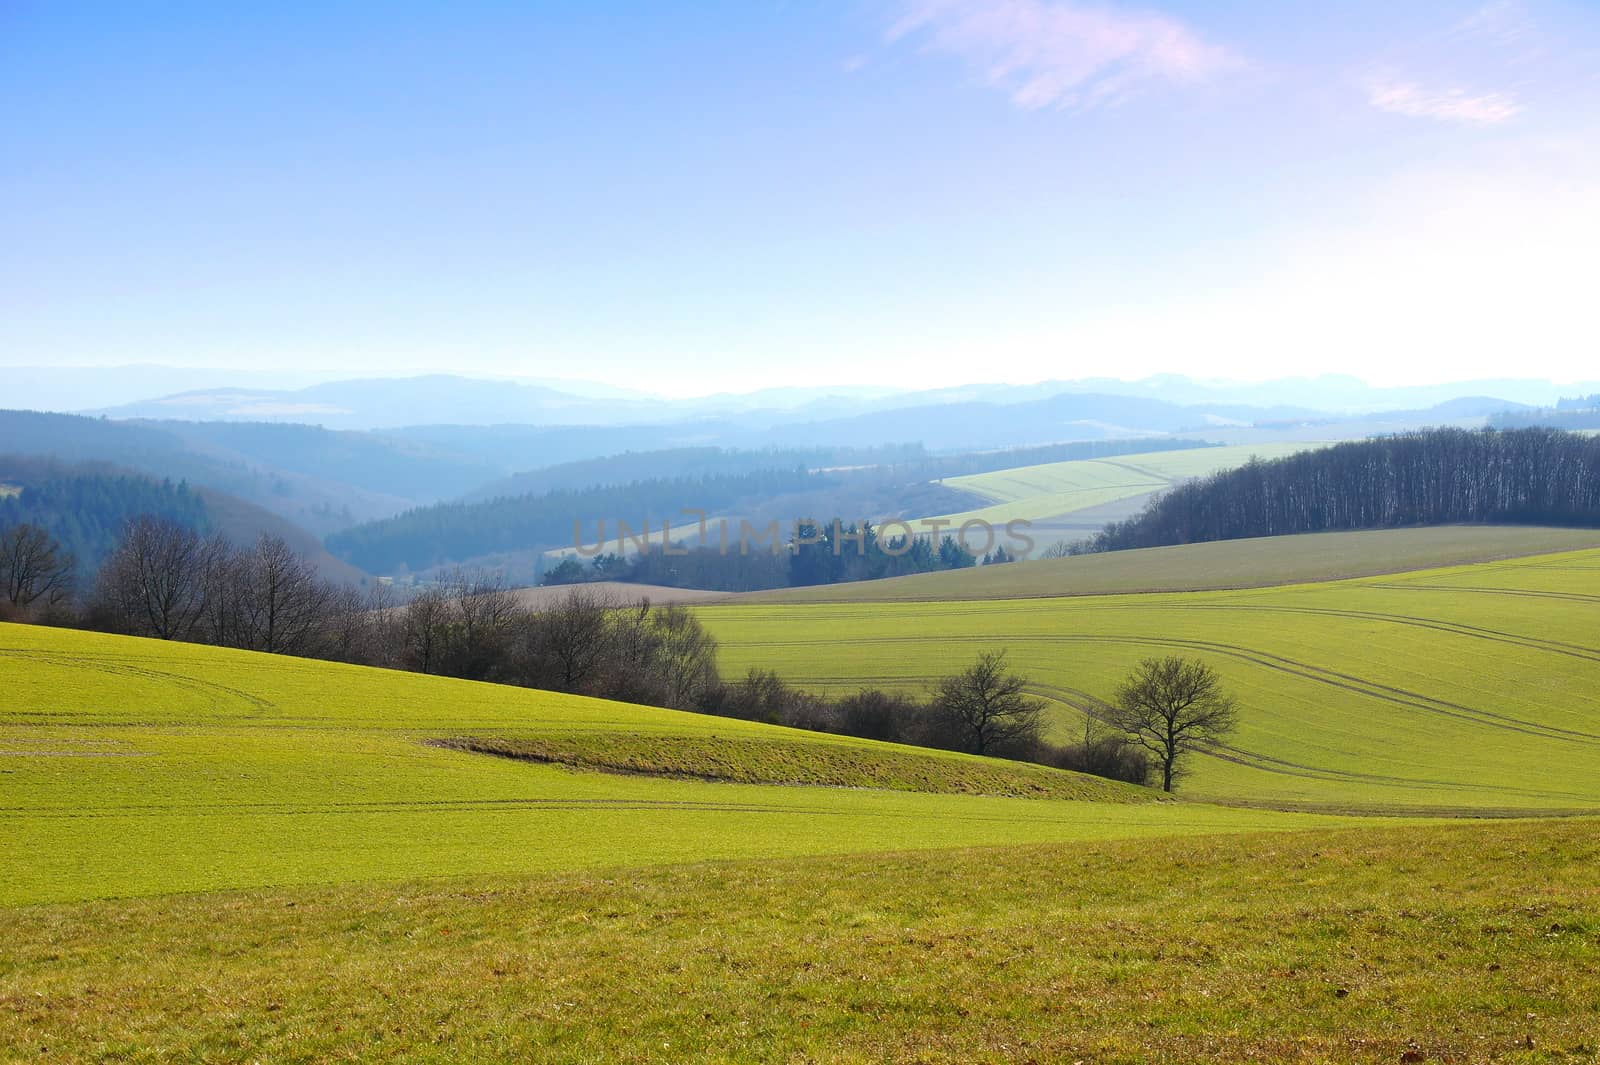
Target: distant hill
{"points": [[1434, 477], [315, 478], [85, 506]]}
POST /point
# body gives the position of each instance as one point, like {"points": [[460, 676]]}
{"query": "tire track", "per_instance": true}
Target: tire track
{"points": [[1277, 663], [205, 688]]}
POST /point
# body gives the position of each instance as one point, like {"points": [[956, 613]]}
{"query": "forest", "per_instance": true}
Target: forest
{"points": [[85, 507], [823, 553], [431, 536], [1431, 477]]}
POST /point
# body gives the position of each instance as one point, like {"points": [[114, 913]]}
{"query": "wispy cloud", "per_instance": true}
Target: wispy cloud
{"points": [[1448, 105], [1503, 22], [1062, 54]]}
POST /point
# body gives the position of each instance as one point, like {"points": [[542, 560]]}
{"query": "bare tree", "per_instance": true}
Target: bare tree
{"points": [[425, 626], [1170, 706], [33, 567], [155, 582], [482, 608], [686, 656], [283, 605], [573, 639], [986, 709]]}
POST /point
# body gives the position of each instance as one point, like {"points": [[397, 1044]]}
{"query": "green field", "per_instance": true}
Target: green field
{"points": [[1468, 943], [1212, 566], [224, 856], [133, 767], [1472, 688], [1054, 491]]}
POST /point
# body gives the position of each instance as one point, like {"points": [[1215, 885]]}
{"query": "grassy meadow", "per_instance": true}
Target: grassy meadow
{"points": [[134, 767], [1468, 688], [1057, 490], [1462, 943], [224, 856], [1214, 566]]}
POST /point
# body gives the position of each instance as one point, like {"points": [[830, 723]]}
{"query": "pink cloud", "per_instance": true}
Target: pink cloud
{"points": [[1062, 54], [1449, 105]]}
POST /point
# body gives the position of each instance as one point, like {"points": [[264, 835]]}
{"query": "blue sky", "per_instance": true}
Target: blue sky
{"points": [[703, 197]]}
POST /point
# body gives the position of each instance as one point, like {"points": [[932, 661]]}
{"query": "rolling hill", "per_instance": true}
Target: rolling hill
{"points": [[1212, 566], [137, 767], [1071, 500], [1465, 688], [227, 856]]}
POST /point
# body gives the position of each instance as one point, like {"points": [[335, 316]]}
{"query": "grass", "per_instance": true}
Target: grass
{"points": [[134, 767], [1462, 689], [763, 760], [1215, 566], [223, 856], [1058, 489], [1468, 943]]}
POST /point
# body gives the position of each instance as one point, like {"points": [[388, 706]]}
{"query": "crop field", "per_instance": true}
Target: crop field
{"points": [[1461, 689], [1213, 566], [1054, 491], [223, 856], [1462, 943], [134, 767]]}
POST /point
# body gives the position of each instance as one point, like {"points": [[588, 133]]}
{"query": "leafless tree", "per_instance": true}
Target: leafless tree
{"points": [[282, 604], [155, 582], [481, 609], [573, 639], [425, 626], [33, 567], [686, 656], [985, 708], [1170, 706]]}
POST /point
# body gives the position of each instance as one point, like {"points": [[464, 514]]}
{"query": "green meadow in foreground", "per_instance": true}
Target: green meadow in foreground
{"points": [[224, 856], [1462, 689], [1466, 943], [133, 767]]}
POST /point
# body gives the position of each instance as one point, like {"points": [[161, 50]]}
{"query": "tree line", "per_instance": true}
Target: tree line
{"points": [[84, 507], [821, 553], [168, 581], [1431, 477]]}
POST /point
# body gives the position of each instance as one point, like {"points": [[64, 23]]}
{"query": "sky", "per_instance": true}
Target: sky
{"points": [[725, 196]]}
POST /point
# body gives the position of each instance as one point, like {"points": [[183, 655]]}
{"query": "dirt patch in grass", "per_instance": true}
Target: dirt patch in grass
{"points": [[742, 760]]}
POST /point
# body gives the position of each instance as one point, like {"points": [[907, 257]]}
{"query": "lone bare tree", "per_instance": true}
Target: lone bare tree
{"points": [[985, 708], [33, 566], [1171, 705]]}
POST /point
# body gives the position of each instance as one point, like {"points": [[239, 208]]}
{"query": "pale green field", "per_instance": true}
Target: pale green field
{"points": [[1212, 566], [1473, 688], [132, 767], [1058, 489]]}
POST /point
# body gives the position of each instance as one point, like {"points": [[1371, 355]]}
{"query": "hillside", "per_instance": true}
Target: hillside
{"points": [[1431, 477], [1468, 688], [1070, 500], [86, 505], [311, 495], [1253, 563], [132, 765]]}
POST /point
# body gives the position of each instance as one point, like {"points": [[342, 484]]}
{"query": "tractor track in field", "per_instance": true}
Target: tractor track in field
{"points": [[1094, 707], [206, 688], [1531, 593], [385, 806], [1278, 663], [1534, 643]]}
